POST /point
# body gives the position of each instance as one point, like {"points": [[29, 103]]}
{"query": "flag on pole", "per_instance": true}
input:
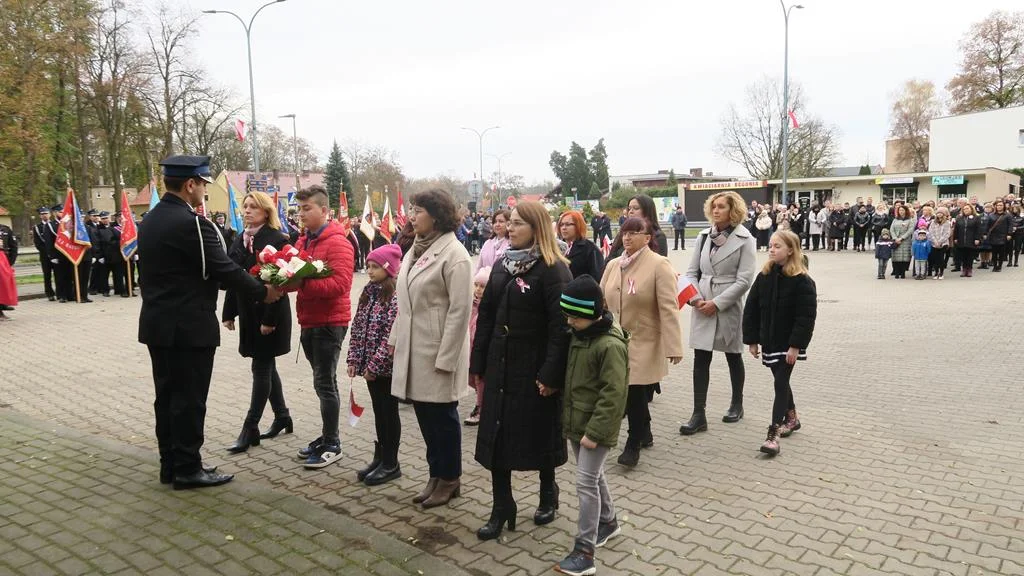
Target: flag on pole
{"points": [[283, 215], [72, 237], [240, 129], [343, 205], [154, 195], [366, 222], [387, 222], [606, 246], [792, 119], [355, 411], [129, 234], [400, 217], [685, 290], [233, 218]]}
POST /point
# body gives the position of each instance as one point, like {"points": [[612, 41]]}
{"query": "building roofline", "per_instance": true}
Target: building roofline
{"points": [[869, 177], [977, 112]]}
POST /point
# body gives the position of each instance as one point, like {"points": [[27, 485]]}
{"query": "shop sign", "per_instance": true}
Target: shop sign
{"points": [[741, 184], [895, 180], [947, 180]]}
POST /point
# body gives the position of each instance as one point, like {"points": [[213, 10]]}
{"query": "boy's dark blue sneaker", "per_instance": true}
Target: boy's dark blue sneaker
{"points": [[305, 453], [579, 562], [323, 455], [607, 531]]}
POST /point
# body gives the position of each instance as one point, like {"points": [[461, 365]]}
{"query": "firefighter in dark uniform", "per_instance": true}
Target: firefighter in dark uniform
{"points": [[44, 234], [107, 251], [185, 263], [87, 277], [8, 248], [63, 269]]}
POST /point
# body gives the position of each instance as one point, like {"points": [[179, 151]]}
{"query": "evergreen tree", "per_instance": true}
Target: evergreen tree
{"points": [[594, 193], [865, 170], [599, 164], [337, 177]]}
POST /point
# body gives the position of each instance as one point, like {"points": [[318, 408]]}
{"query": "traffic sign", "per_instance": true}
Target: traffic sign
{"points": [[291, 199]]}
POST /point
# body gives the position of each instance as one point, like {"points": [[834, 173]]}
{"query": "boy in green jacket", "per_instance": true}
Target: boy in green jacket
{"points": [[596, 382]]}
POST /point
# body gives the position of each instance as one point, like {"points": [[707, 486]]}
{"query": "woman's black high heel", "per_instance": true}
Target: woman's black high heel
{"points": [[248, 437], [500, 515], [279, 425]]}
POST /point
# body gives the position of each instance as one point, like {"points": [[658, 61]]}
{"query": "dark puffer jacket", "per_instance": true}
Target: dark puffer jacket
{"points": [[780, 311]]}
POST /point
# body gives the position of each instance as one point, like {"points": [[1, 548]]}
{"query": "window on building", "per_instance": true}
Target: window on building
{"points": [[952, 192], [206, 197], [906, 193], [1020, 137]]}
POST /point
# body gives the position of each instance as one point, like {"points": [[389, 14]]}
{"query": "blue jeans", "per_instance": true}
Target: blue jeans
{"points": [[322, 346]]}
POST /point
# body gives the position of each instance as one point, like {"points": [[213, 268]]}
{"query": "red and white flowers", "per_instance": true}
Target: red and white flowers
{"points": [[288, 264]]}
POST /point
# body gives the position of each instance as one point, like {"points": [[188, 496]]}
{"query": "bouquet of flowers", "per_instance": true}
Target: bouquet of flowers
{"points": [[288, 264]]}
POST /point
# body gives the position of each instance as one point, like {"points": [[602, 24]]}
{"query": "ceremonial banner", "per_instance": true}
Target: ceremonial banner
{"points": [[366, 222], [129, 234], [387, 224], [72, 237]]}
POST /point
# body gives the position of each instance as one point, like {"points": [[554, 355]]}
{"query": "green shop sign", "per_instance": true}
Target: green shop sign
{"points": [[947, 180]]}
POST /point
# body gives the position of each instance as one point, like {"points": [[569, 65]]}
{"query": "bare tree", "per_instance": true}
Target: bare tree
{"points": [[753, 136], [913, 108], [207, 120], [174, 81], [992, 69]]}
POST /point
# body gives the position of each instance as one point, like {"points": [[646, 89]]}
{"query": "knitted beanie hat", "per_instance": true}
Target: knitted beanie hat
{"points": [[388, 257], [582, 298]]}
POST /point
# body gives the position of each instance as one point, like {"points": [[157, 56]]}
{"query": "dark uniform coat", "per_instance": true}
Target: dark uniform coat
{"points": [[8, 244], [179, 304], [521, 338], [252, 314]]}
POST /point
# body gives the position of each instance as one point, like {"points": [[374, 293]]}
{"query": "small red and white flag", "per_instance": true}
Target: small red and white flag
{"points": [[240, 129], [685, 290], [606, 246], [792, 120], [355, 411]]}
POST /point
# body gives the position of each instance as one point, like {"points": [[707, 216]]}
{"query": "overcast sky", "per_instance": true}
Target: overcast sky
{"points": [[653, 77]]}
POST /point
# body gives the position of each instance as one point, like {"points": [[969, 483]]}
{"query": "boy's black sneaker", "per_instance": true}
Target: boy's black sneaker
{"points": [[607, 531], [305, 453], [579, 562], [324, 455]]}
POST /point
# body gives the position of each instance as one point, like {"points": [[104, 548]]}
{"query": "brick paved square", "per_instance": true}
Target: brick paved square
{"points": [[910, 403]]}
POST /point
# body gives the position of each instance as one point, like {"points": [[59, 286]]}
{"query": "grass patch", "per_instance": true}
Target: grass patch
{"points": [[29, 279]]}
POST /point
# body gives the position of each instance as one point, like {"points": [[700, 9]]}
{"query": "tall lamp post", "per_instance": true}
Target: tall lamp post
{"points": [[480, 135], [295, 149], [499, 157], [252, 90], [785, 102]]}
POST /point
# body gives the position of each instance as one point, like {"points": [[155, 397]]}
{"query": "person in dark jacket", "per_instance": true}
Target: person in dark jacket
{"points": [[778, 322], [520, 350], [185, 264], [678, 221], [44, 236], [879, 221], [229, 235], [1017, 225], [264, 330], [8, 244], [967, 238], [861, 224], [584, 256], [999, 234], [838, 222], [107, 252], [641, 206]]}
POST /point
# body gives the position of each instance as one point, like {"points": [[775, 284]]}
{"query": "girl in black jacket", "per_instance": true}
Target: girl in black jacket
{"points": [[999, 234], [778, 322], [967, 234]]}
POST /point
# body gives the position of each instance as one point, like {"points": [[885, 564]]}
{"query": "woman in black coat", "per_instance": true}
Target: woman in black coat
{"points": [[265, 330], [641, 206], [967, 235], [584, 256], [999, 234], [520, 351]]}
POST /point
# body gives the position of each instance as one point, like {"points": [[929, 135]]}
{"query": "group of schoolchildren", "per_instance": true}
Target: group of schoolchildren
{"points": [[597, 340]]}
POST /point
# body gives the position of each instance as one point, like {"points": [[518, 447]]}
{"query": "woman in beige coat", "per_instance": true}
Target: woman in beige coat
{"points": [[640, 291], [431, 338], [722, 268]]}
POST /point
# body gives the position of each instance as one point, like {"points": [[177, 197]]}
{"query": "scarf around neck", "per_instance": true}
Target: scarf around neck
{"points": [[718, 237], [519, 261], [626, 260], [421, 243]]}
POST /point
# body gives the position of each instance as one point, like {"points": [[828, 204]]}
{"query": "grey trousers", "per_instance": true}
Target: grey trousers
{"points": [[595, 500]]}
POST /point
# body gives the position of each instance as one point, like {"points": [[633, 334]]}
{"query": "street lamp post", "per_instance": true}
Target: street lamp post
{"points": [[499, 157], [480, 135], [295, 149], [785, 102], [252, 90]]}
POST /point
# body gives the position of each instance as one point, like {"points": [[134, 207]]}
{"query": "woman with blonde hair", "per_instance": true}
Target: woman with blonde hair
{"points": [[520, 351], [722, 268], [778, 323], [265, 330]]}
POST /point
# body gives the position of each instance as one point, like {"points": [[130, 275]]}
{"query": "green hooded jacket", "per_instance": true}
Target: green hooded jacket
{"points": [[596, 384]]}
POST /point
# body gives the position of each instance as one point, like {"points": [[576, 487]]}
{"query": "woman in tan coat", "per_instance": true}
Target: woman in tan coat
{"points": [[640, 291], [430, 337]]}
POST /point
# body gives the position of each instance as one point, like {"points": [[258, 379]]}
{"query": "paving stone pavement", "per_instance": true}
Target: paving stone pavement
{"points": [[909, 461], [78, 504]]}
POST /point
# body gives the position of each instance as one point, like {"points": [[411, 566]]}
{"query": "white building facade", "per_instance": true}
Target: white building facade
{"points": [[980, 139]]}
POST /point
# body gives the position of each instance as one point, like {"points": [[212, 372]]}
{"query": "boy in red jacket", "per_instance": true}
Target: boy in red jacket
{"points": [[324, 310]]}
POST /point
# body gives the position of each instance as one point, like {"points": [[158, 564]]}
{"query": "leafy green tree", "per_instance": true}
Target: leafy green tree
{"points": [[336, 177], [599, 164]]}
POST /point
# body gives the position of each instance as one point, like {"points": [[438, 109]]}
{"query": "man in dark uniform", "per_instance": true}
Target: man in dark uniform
{"points": [[227, 233], [63, 270], [88, 277], [108, 257], [44, 234], [185, 262]]}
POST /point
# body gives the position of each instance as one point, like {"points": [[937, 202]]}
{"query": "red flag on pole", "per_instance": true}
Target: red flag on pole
{"points": [[72, 237], [400, 217], [129, 234], [355, 411], [685, 290], [387, 224]]}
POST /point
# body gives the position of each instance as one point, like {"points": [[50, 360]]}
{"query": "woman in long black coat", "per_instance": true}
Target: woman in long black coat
{"points": [[520, 350], [584, 256], [265, 330]]}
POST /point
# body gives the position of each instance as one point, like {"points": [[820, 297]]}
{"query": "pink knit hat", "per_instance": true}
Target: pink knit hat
{"points": [[482, 275], [388, 257]]}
